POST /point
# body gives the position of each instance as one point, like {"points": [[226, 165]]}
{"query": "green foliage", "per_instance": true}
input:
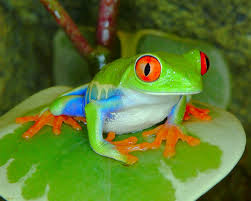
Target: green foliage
{"points": [[23, 69]]}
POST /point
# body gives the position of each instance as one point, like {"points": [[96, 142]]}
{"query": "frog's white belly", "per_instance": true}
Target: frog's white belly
{"points": [[143, 113]]}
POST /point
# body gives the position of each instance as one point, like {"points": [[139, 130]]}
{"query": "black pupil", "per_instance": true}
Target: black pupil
{"points": [[208, 63], [147, 69]]}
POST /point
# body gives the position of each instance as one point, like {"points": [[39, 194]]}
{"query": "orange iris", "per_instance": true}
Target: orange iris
{"points": [[148, 68]]}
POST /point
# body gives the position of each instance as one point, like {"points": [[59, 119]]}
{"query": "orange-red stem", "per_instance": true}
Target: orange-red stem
{"points": [[106, 29], [70, 28]]}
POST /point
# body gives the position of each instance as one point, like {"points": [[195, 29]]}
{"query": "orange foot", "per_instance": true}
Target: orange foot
{"points": [[199, 113], [126, 146], [48, 119], [171, 134]]}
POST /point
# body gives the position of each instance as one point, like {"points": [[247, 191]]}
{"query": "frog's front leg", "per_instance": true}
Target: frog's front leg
{"points": [[96, 114]]}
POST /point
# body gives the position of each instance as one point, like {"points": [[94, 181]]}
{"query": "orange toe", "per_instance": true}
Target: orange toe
{"points": [[191, 140], [152, 131], [131, 159], [58, 121], [186, 116], [21, 120], [128, 141], [126, 149], [198, 113], [172, 137], [110, 136], [40, 123], [70, 121], [82, 119]]}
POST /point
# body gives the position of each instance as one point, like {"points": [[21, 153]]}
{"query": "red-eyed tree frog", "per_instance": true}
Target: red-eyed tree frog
{"points": [[129, 95]]}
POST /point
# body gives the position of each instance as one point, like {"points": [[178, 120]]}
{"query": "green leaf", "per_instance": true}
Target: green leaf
{"points": [[217, 89], [56, 168]]}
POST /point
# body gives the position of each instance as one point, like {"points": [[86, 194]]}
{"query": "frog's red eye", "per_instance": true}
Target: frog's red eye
{"points": [[204, 61], [148, 68]]}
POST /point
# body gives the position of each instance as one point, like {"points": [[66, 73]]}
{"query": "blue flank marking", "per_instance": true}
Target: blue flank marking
{"points": [[111, 104], [75, 107], [171, 116], [172, 111]]}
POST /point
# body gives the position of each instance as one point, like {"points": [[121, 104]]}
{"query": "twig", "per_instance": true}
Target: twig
{"points": [[106, 28], [70, 28]]}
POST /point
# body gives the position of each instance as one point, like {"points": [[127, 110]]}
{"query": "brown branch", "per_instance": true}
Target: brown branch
{"points": [[106, 28], [70, 28]]}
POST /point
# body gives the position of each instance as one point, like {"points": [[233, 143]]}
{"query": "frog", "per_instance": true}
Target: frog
{"points": [[129, 95]]}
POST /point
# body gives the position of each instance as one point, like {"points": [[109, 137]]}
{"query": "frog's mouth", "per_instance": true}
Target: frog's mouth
{"points": [[169, 93]]}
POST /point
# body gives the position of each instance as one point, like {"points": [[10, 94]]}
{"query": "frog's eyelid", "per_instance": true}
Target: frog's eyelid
{"points": [[147, 55]]}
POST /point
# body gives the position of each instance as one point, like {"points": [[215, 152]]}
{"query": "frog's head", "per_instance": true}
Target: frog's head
{"points": [[165, 73]]}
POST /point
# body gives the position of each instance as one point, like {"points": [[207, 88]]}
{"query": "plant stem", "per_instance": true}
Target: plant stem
{"points": [[70, 28], [106, 28]]}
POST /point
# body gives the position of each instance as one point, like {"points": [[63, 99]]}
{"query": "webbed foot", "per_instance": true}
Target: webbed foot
{"points": [[171, 134], [47, 118], [125, 147], [199, 113]]}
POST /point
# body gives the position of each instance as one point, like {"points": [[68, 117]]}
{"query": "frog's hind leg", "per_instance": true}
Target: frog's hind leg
{"points": [[40, 122], [199, 113], [63, 109], [71, 105]]}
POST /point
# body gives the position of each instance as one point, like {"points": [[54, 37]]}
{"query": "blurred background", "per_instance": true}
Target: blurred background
{"points": [[27, 31]]}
